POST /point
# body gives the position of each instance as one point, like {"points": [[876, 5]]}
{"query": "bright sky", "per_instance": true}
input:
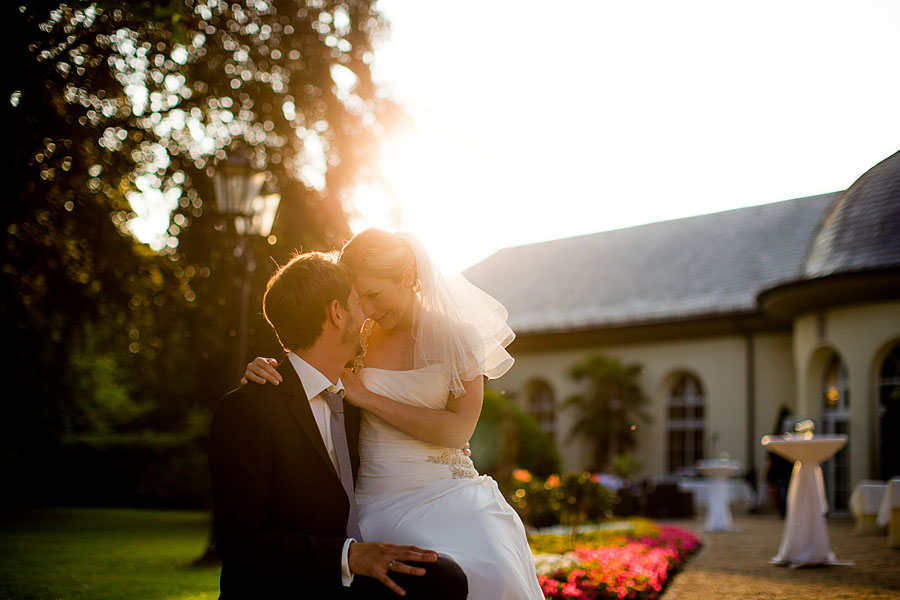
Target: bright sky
{"points": [[536, 121]]}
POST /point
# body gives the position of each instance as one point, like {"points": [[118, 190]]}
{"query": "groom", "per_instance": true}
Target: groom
{"points": [[283, 460]]}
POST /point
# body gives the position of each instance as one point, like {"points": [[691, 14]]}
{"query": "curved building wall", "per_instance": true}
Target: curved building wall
{"points": [[858, 334]]}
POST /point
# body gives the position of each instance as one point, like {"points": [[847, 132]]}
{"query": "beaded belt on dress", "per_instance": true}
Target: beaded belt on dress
{"points": [[461, 466]]}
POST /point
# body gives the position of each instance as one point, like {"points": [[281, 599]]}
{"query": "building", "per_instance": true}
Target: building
{"points": [[732, 315]]}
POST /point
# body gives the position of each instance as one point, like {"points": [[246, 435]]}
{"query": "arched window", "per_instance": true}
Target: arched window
{"points": [[836, 419], [541, 405], [835, 387], [685, 424], [889, 415]]}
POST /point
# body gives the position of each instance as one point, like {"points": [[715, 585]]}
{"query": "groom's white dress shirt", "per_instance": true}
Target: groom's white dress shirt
{"points": [[314, 383]]}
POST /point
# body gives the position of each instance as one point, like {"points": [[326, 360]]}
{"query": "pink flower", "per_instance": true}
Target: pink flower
{"points": [[637, 568]]}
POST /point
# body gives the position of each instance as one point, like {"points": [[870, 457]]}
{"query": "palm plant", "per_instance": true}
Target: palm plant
{"points": [[608, 408]]}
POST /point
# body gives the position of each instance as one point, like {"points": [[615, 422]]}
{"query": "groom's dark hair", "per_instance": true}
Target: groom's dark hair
{"points": [[298, 296]]}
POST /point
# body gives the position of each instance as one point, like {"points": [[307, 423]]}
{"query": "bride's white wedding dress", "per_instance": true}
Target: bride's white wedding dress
{"points": [[410, 492]]}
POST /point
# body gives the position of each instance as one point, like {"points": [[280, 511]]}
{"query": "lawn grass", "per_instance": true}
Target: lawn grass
{"points": [[98, 554]]}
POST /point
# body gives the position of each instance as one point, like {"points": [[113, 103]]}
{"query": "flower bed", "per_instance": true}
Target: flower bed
{"points": [[634, 560]]}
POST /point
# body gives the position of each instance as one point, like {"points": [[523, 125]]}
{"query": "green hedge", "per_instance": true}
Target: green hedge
{"points": [[153, 470]]}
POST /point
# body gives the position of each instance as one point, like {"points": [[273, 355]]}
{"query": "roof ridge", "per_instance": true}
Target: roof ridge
{"points": [[653, 223]]}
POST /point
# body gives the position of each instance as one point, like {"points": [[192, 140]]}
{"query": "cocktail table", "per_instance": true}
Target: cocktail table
{"points": [[805, 537]]}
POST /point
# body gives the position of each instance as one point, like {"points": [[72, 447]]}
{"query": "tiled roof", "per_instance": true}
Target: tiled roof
{"points": [[862, 229], [694, 267]]}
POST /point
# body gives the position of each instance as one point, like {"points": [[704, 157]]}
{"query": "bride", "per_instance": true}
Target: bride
{"points": [[428, 341]]}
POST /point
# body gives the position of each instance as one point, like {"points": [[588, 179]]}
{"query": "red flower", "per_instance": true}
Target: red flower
{"points": [[635, 569]]}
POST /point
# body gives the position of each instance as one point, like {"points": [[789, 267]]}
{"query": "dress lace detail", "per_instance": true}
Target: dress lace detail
{"points": [[461, 466]]}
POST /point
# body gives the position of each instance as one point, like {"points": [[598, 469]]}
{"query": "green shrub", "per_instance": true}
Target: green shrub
{"points": [[535, 450], [146, 468], [572, 499]]}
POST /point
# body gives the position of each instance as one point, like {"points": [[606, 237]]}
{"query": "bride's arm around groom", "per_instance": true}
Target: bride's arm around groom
{"points": [[281, 511]]}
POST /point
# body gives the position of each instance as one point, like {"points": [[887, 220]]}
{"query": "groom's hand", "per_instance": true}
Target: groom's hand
{"points": [[374, 559]]}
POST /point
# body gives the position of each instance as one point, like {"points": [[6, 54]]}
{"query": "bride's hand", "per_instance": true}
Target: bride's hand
{"points": [[355, 390], [262, 370]]}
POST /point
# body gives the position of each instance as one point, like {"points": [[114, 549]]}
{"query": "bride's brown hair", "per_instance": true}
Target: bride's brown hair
{"points": [[378, 253]]}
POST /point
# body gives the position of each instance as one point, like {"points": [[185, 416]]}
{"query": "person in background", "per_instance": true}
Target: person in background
{"points": [[779, 469]]}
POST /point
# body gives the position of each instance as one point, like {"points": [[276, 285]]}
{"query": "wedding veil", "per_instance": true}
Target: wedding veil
{"points": [[457, 325]]}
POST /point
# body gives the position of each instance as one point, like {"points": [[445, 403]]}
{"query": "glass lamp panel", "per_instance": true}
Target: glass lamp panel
{"points": [[268, 213], [253, 215], [251, 189], [236, 187]]}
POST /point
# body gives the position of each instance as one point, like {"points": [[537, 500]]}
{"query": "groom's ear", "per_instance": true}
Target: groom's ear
{"points": [[334, 314]]}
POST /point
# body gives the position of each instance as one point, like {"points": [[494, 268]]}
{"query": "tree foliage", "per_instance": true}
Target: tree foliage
{"points": [[110, 105], [534, 449], [607, 409]]}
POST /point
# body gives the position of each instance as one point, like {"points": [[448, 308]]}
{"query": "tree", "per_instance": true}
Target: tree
{"points": [[108, 103], [608, 407], [508, 436]]}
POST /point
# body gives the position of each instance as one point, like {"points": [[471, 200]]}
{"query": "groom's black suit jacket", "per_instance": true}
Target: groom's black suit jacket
{"points": [[280, 509]]}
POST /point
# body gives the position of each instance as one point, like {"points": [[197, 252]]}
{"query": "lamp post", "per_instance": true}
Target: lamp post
{"points": [[247, 214], [237, 185]]}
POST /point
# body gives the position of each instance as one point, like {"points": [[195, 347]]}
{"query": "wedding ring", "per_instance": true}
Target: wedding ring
{"points": [[390, 564]]}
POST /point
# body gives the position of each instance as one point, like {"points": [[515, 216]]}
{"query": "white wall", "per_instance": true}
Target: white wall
{"points": [[775, 387], [719, 363], [788, 370]]}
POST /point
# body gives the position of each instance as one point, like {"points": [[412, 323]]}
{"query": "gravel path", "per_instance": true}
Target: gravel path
{"points": [[734, 566]]}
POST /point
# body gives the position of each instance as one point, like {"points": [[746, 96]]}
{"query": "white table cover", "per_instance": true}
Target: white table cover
{"points": [[864, 504], [805, 537], [866, 497], [889, 501], [738, 492], [718, 513]]}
